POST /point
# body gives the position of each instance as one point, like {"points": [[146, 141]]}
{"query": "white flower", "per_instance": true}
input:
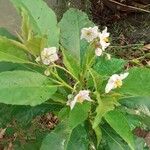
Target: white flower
{"points": [[104, 39], [80, 97], [47, 72], [49, 55], [89, 33], [115, 81], [98, 52]]}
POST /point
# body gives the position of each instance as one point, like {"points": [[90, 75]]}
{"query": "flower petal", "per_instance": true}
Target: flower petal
{"points": [[124, 75], [98, 52], [109, 87]]}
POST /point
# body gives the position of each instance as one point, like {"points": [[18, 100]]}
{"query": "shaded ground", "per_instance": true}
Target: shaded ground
{"points": [[130, 31]]}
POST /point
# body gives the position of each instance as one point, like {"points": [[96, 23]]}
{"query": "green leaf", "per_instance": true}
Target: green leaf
{"points": [[42, 19], [8, 66], [71, 64], [120, 124], [63, 138], [135, 102], [104, 106], [75, 117], [140, 104], [79, 139], [35, 45], [109, 67], [11, 53], [25, 88], [137, 83], [114, 142], [70, 26]]}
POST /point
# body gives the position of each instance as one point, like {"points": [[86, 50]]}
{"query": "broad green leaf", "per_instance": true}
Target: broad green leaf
{"points": [[25, 88], [114, 142], [57, 139], [79, 139], [109, 67], [104, 106], [137, 83], [63, 138], [8, 66], [42, 19], [135, 102], [140, 104], [71, 64], [70, 27], [11, 53], [120, 124], [75, 117], [35, 45]]}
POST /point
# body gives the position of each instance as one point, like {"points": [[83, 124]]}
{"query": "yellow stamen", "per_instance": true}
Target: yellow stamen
{"points": [[118, 83], [80, 99], [88, 33], [106, 39]]}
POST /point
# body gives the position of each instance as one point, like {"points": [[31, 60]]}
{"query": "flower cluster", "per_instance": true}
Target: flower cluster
{"points": [[102, 42], [101, 39]]}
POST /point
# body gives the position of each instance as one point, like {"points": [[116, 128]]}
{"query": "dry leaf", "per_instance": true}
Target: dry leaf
{"points": [[146, 47], [2, 133]]}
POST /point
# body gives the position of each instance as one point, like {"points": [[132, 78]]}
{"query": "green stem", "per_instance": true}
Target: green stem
{"points": [[62, 81], [62, 68], [94, 80]]}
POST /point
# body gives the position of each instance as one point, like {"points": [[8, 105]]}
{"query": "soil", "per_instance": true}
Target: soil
{"points": [[129, 31]]}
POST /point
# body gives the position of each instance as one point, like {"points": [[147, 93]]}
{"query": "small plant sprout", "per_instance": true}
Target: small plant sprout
{"points": [[89, 33], [80, 97], [115, 81], [48, 56]]}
